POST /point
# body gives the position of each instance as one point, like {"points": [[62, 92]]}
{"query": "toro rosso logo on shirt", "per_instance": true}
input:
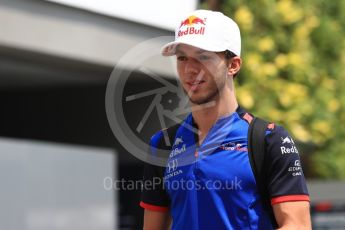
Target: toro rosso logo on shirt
{"points": [[230, 146]]}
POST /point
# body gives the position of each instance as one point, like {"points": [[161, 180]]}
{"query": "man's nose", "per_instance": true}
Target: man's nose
{"points": [[192, 66]]}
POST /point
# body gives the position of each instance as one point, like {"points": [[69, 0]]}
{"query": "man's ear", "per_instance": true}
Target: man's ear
{"points": [[234, 65]]}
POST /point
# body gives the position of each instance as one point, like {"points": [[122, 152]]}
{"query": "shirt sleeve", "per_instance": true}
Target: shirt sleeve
{"points": [[285, 178], [153, 195]]}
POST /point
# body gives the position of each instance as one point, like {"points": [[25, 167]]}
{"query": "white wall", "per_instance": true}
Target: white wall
{"points": [[58, 30], [53, 186], [160, 13]]}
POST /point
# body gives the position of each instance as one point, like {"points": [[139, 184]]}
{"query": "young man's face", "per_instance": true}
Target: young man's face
{"points": [[202, 73]]}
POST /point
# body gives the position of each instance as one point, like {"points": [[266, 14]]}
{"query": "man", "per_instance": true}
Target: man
{"points": [[208, 182]]}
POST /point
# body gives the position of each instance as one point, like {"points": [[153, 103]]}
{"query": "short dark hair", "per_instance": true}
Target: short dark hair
{"points": [[228, 56]]}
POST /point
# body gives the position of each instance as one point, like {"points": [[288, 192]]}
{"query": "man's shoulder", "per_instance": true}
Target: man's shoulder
{"points": [[275, 130], [155, 139], [272, 127]]}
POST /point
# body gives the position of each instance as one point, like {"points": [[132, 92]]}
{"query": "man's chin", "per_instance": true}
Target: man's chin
{"points": [[201, 101]]}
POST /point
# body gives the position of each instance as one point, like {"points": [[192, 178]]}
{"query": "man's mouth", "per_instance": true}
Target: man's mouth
{"points": [[194, 85]]}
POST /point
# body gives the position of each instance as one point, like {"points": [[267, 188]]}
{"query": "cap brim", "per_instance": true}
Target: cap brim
{"points": [[169, 49]]}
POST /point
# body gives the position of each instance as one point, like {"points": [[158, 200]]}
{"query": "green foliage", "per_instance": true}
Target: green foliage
{"points": [[293, 72]]}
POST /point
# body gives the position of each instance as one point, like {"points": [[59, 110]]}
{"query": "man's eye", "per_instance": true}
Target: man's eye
{"points": [[181, 58]]}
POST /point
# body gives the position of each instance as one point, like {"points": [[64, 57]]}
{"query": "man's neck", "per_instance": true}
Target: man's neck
{"points": [[205, 116]]}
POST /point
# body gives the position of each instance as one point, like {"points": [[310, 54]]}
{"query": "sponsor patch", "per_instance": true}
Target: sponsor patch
{"points": [[231, 146], [296, 170], [288, 145]]}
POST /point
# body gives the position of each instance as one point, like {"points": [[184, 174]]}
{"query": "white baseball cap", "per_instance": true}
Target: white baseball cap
{"points": [[207, 30]]}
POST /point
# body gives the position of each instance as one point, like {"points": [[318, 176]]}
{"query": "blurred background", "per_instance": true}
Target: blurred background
{"points": [[58, 154]]}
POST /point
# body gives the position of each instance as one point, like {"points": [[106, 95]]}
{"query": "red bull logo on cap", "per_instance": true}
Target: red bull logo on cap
{"points": [[192, 22]]}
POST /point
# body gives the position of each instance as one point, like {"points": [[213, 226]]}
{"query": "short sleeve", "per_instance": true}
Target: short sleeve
{"points": [[285, 178], [153, 195]]}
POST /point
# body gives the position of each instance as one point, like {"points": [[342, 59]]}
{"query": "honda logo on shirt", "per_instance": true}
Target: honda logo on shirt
{"points": [[172, 165]]}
